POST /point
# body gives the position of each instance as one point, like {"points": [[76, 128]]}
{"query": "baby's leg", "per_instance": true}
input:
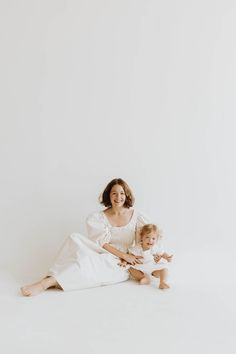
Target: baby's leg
{"points": [[162, 274], [139, 276], [37, 288]]}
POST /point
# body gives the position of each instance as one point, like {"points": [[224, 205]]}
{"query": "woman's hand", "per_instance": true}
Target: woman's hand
{"points": [[122, 263], [131, 259]]}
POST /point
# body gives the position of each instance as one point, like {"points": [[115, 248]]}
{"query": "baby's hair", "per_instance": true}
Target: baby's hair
{"points": [[148, 228]]}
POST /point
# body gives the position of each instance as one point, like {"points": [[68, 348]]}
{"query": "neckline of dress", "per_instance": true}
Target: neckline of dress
{"points": [[108, 222]]}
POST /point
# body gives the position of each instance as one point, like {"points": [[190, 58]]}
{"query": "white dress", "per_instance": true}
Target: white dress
{"points": [[83, 263], [148, 264]]}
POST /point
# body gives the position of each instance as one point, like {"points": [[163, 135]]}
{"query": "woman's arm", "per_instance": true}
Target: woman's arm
{"points": [[130, 258], [113, 250]]}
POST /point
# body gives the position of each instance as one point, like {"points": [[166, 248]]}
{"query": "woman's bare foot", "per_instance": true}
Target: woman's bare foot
{"points": [[33, 289], [163, 286], [39, 287], [144, 281]]}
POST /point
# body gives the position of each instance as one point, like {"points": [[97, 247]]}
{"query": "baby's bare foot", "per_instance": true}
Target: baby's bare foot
{"points": [[163, 286], [144, 281], [34, 289]]}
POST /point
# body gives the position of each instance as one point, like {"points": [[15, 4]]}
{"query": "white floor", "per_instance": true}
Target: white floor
{"points": [[197, 315]]}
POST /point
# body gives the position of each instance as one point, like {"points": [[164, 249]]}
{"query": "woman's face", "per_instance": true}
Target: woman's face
{"points": [[117, 196]]}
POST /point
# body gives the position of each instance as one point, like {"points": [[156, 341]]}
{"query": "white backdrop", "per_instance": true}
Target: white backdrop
{"points": [[92, 90]]}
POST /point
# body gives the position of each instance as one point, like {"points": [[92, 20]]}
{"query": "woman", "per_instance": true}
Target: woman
{"points": [[85, 262]]}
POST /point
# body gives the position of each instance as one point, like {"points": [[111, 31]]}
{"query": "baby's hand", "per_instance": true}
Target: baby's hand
{"points": [[122, 263], [157, 257], [167, 257]]}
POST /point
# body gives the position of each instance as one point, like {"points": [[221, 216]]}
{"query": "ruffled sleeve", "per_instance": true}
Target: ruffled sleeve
{"points": [[98, 230]]}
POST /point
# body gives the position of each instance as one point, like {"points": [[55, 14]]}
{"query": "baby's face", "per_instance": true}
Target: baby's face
{"points": [[149, 240]]}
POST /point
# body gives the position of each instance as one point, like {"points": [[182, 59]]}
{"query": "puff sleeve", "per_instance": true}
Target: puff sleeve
{"points": [[98, 230]]}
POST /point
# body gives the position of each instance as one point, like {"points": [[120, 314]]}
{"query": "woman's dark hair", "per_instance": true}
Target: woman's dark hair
{"points": [[105, 196]]}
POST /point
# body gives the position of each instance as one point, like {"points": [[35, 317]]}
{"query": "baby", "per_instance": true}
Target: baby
{"points": [[154, 261]]}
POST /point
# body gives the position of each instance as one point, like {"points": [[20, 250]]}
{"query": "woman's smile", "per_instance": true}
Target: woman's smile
{"points": [[117, 195]]}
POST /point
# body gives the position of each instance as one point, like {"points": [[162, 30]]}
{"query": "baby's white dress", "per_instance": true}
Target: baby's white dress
{"points": [[148, 264], [83, 263]]}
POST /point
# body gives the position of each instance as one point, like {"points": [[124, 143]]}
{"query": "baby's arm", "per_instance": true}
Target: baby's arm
{"points": [[158, 252], [167, 256], [157, 257]]}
